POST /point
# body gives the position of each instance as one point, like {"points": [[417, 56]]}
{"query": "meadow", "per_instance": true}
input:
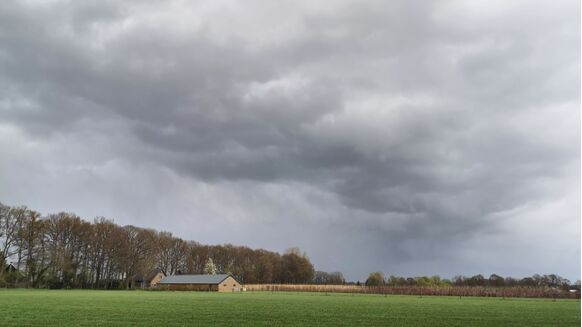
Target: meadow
{"points": [[27, 307]]}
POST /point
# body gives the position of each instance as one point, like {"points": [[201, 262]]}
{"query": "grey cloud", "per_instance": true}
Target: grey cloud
{"points": [[403, 130]]}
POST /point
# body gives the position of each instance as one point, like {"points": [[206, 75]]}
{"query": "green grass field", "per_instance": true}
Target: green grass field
{"points": [[142, 308]]}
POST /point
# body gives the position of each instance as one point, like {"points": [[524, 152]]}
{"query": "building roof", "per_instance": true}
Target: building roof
{"points": [[148, 278], [194, 279]]}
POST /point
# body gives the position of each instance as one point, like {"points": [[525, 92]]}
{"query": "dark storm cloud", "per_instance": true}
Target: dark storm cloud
{"points": [[407, 137]]}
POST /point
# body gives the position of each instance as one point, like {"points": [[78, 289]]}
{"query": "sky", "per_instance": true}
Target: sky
{"points": [[408, 137]]}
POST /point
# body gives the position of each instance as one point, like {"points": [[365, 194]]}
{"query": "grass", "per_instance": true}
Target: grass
{"points": [[23, 307]]}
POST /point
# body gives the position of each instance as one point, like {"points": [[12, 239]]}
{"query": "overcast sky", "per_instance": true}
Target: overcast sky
{"points": [[409, 137]]}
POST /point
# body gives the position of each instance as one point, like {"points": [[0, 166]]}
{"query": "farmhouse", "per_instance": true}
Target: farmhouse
{"points": [[209, 283]]}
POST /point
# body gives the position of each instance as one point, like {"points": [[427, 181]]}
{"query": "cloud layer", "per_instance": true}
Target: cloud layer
{"points": [[407, 137]]}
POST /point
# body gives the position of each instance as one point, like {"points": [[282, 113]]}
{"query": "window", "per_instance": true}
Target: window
{"points": [[233, 285], [223, 284]]}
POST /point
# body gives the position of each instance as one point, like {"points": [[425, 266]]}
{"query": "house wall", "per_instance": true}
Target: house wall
{"points": [[154, 282], [229, 285]]}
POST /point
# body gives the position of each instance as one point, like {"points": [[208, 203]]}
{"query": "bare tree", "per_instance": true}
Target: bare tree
{"points": [[171, 253], [9, 219]]}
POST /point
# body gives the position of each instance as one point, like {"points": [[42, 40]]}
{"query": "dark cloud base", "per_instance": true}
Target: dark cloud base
{"points": [[407, 138]]}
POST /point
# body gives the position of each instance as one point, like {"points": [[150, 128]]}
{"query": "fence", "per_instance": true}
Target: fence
{"points": [[529, 292]]}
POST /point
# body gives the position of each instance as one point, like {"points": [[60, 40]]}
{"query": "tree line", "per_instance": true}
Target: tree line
{"points": [[494, 280], [64, 251]]}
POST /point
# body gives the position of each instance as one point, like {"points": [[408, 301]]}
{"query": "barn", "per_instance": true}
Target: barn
{"points": [[208, 283]]}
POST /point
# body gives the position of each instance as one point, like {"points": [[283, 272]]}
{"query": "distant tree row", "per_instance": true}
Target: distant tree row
{"points": [[555, 281], [332, 278], [551, 280], [64, 251]]}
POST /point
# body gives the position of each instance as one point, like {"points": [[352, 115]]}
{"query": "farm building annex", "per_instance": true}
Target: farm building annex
{"points": [[209, 283]]}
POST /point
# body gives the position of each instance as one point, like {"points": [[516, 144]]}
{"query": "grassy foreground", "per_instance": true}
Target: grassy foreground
{"points": [[142, 308]]}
